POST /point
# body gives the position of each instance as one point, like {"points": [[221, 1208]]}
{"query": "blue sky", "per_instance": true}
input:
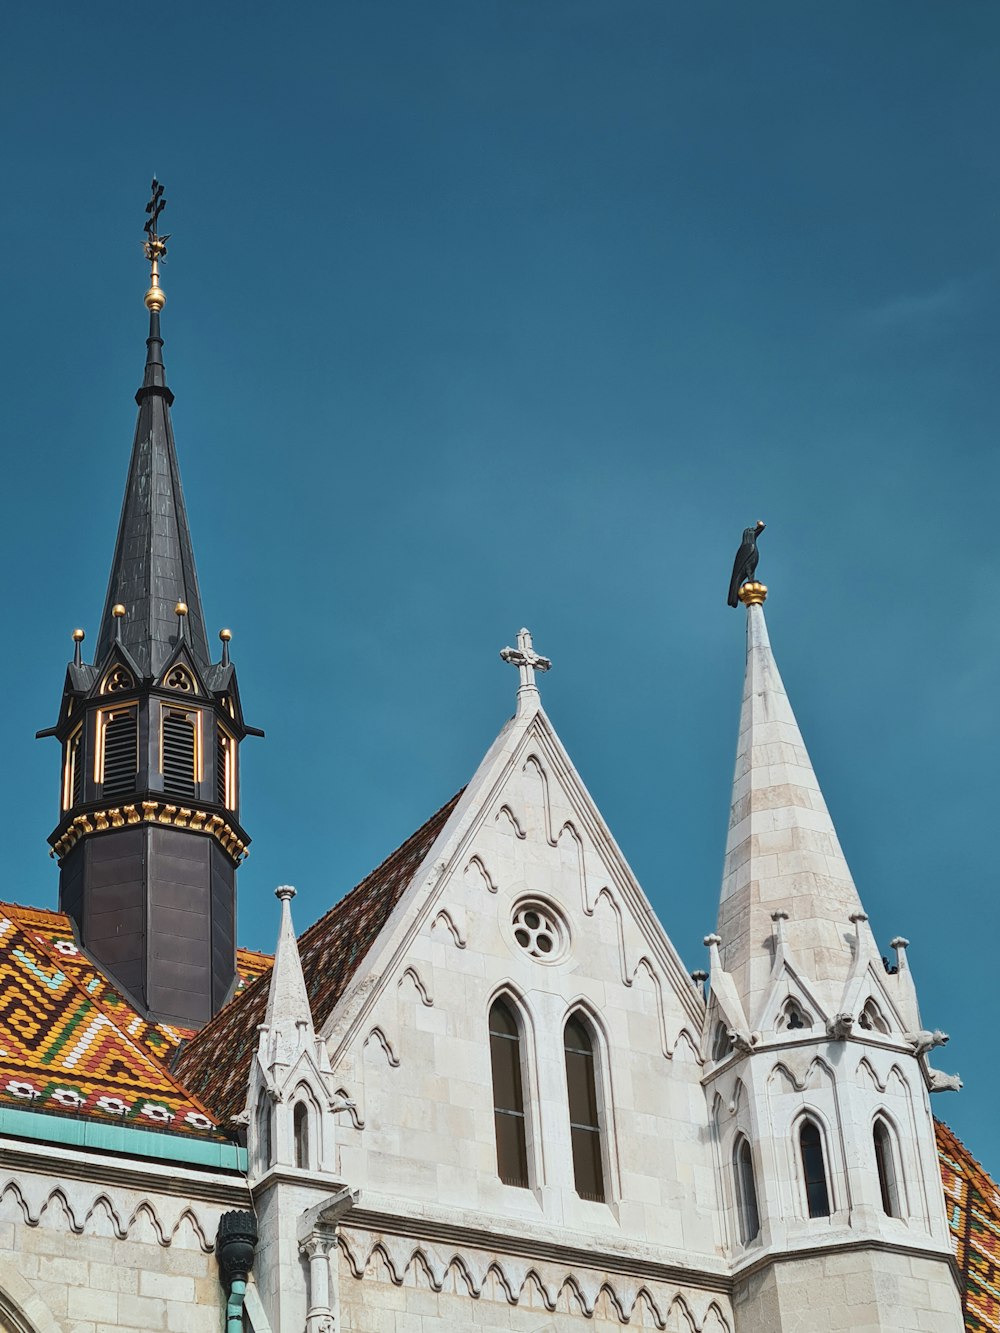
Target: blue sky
{"points": [[488, 314]]}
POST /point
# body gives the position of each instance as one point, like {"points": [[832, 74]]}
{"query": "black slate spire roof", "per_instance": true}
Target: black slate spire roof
{"points": [[153, 567]]}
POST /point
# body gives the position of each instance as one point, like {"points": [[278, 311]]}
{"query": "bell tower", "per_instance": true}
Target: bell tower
{"points": [[149, 838]]}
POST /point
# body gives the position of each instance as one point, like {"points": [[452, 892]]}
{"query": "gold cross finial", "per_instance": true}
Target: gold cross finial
{"points": [[155, 247]]}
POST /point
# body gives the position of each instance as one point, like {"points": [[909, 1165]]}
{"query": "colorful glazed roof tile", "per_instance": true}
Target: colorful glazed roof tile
{"points": [[973, 1203], [216, 1063], [70, 1043]]}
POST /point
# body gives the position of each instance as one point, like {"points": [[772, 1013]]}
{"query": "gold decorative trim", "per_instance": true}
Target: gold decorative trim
{"points": [[753, 594], [153, 812]]}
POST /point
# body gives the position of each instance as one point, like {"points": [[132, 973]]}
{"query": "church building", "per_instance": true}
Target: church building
{"points": [[482, 1091]]}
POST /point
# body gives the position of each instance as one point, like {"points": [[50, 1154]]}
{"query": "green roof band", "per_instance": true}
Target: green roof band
{"points": [[123, 1139]]}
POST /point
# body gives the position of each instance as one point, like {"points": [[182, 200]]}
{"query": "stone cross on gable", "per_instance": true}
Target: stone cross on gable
{"points": [[526, 660]]}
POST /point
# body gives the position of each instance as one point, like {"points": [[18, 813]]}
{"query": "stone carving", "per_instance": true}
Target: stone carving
{"points": [[940, 1082], [840, 1026], [478, 863], [444, 916], [512, 820], [385, 1044], [502, 1277], [78, 1211], [924, 1041], [423, 993]]}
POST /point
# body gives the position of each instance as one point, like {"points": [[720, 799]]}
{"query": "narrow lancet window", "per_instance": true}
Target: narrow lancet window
{"points": [[584, 1121], [264, 1134], [814, 1170], [885, 1161], [746, 1191], [508, 1096], [179, 753], [721, 1045], [300, 1130]]}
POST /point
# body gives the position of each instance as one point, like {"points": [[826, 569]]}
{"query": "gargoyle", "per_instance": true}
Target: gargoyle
{"points": [[943, 1082], [924, 1041], [840, 1026]]}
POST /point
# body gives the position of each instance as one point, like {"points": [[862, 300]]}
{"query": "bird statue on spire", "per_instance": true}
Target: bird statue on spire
{"points": [[745, 564]]}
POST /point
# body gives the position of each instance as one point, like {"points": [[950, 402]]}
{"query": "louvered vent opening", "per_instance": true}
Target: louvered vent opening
{"points": [[76, 769], [178, 755], [221, 767], [120, 755]]}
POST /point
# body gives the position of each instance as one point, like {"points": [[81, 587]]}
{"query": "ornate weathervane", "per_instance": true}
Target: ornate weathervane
{"points": [[742, 587], [155, 247], [526, 660]]}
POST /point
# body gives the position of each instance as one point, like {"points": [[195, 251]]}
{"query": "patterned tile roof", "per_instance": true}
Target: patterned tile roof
{"points": [[973, 1203], [215, 1064], [71, 1044]]}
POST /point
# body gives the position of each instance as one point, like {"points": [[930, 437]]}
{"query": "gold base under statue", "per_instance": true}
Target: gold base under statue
{"points": [[753, 594]]}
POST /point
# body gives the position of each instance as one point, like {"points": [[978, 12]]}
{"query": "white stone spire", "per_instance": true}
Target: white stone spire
{"points": [[782, 852], [288, 1020]]}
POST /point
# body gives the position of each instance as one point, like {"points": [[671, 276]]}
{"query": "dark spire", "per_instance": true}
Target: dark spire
{"points": [[149, 838], [153, 567]]}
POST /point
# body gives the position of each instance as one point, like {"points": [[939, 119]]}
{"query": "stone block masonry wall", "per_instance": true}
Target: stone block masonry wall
{"points": [[86, 1257], [389, 1285], [857, 1291]]}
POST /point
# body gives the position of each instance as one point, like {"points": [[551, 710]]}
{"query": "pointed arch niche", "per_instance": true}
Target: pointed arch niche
{"points": [[305, 1129]]}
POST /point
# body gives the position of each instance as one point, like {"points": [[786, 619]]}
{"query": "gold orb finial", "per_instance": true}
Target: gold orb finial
{"points": [[79, 635], [753, 594], [181, 609], [155, 299], [118, 610], [225, 635]]}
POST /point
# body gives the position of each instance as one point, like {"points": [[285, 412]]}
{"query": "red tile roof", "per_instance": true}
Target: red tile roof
{"points": [[215, 1063], [973, 1203]]}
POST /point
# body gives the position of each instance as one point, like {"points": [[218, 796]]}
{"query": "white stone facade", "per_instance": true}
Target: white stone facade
{"points": [[372, 1144]]}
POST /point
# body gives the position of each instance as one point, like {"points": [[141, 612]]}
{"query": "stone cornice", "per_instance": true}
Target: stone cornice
{"points": [[531, 1247], [845, 1247], [148, 1177], [233, 840]]}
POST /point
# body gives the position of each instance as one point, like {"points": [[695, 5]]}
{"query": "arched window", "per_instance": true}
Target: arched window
{"points": [[300, 1132], [746, 1191], [720, 1042], [508, 1096], [814, 1169], [871, 1018], [264, 1134], [794, 1018], [885, 1161], [584, 1123]]}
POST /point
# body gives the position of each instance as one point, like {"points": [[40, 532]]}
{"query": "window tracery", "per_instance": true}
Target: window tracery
{"points": [[117, 681]]}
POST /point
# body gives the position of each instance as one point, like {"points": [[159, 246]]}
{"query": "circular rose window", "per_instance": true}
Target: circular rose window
{"points": [[540, 931]]}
